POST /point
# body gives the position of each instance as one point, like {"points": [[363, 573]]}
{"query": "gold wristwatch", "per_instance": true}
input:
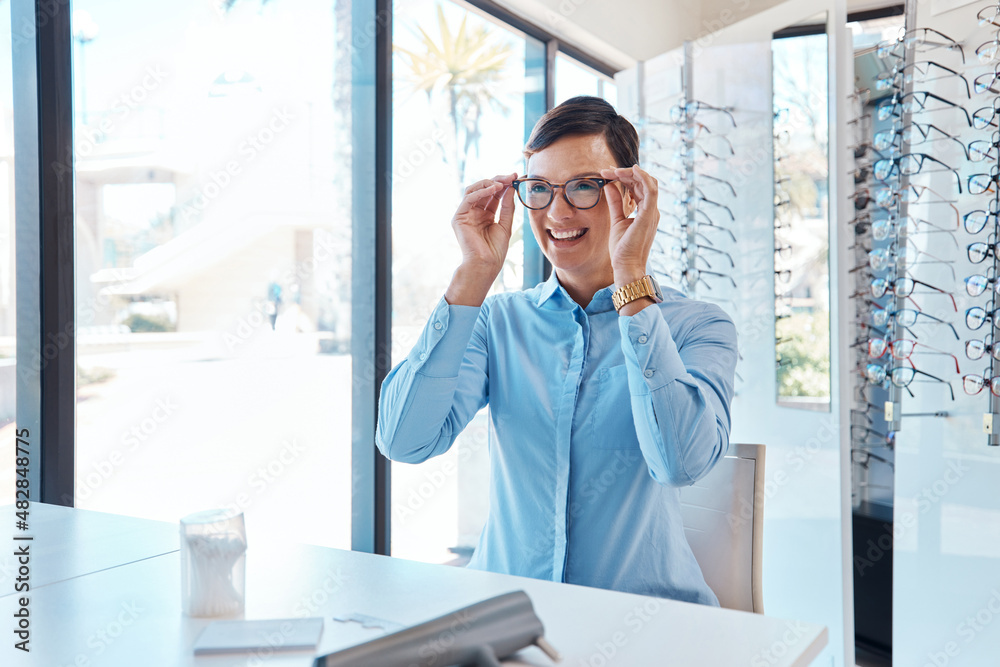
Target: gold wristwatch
{"points": [[645, 286]]}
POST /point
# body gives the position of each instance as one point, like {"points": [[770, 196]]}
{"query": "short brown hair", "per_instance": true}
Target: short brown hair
{"points": [[585, 115]]}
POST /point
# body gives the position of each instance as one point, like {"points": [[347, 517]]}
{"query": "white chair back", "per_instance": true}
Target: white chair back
{"points": [[723, 516]]}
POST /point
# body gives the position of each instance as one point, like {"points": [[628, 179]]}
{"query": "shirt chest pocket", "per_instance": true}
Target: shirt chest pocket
{"points": [[612, 423]]}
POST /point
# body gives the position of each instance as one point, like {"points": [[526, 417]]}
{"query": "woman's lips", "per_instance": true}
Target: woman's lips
{"points": [[563, 237]]}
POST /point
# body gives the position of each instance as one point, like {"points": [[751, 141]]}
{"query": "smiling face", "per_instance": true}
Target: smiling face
{"points": [[575, 241]]}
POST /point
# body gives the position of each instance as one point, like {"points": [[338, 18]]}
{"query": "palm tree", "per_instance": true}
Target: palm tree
{"points": [[466, 66]]}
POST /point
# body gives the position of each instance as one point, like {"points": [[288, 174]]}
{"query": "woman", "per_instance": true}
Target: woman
{"points": [[605, 395]]}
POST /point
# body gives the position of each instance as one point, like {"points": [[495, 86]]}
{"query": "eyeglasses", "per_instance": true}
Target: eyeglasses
{"points": [[923, 39], [977, 284], [979, 251], [859, 433], [912, 134], [680, 251], [981, 183], [906, 227], [983, 117], [696, 225], [907, 317], [580, 193], [881, 259], [910, 164], [691, 276], [905, 74], [989, 15], [976, 317], [901, 377], [902, 349], [973, 384], [984, 150], [914, 102], [685, 203], [987, 82], [976, 221], [903, 287], [975, 349], [862, 457], [682, 111]]}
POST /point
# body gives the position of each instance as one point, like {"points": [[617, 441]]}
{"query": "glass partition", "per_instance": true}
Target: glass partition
{"points": [[802, 218], [8, 292]]}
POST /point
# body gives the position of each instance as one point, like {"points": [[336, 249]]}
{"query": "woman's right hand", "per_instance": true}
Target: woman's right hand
{"points": [[483, 238]]}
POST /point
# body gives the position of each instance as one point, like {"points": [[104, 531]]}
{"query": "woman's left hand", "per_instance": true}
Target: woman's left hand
{"points": [[631, 238]]}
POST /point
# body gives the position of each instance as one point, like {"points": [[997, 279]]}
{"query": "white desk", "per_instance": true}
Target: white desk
{"points": [[130, 614]]}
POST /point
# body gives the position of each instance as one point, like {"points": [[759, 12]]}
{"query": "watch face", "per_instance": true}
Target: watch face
{"points": [[657, 292]]}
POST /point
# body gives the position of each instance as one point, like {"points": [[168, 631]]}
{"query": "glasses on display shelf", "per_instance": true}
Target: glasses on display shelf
{"points": [[914, 102], [679, 252], [881, 259], [863, 148], [691, 276], [698, 225], [973, 384], [782, 250], [783, 275], [682, 112], [902, 349], [860, 416], [863, 458], [982, 149], [976, 221], [983, 183], [975, 349], [988, 82], [910, 164], [859, 432], [905, 227], [913, 134], [685, 203], [979, 251], [977, 316], [696, 151], [989, 15], [902, 376], [928, 39], [924, 70], [689, 132], [907, 317], [977, 284], [903, 287], [984, 116], [889, 198], [681, 234]]}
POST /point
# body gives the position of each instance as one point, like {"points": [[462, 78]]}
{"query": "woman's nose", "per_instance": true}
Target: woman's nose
{"points": [[560, 209]]}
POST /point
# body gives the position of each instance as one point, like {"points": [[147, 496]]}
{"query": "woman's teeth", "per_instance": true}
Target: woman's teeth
{"points": [[566, 235]]}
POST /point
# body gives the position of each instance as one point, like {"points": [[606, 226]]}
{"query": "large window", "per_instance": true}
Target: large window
{"points": [[213, 229], [574, 78], [459, 91]]}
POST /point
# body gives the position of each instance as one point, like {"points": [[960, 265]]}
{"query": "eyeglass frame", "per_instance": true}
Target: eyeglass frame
{"points": [[554, 186]]}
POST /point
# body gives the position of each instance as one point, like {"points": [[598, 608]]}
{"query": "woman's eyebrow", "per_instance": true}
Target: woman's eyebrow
{"points": [[589, 174]]}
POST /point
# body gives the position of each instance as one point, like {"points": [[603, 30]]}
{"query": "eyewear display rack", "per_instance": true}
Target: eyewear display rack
{"points": [[690, 254]]}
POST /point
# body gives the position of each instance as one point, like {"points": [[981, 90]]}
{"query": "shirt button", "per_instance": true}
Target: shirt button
{"points": [[423, 355], [643, 339], [648, 372], [437, 325]]}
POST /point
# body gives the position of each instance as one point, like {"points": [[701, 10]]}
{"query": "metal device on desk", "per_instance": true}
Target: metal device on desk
{"points": [[480, 634]]}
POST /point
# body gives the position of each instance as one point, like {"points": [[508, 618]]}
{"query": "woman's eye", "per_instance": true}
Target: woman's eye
{"points": [[584, 186], [538, 188]]}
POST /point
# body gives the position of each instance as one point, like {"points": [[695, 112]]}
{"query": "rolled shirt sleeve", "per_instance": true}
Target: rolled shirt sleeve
{"points": [[681, 388]]}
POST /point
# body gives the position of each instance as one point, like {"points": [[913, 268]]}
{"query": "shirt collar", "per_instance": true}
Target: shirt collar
{"points": [[551, 289]]}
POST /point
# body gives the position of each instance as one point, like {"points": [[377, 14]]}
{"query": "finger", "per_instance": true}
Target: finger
{"points": [[507, 211], [614, 196], [479, 198]]}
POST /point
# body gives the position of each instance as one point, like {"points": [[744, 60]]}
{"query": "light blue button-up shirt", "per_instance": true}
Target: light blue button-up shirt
{"points": [[596, 419]]}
